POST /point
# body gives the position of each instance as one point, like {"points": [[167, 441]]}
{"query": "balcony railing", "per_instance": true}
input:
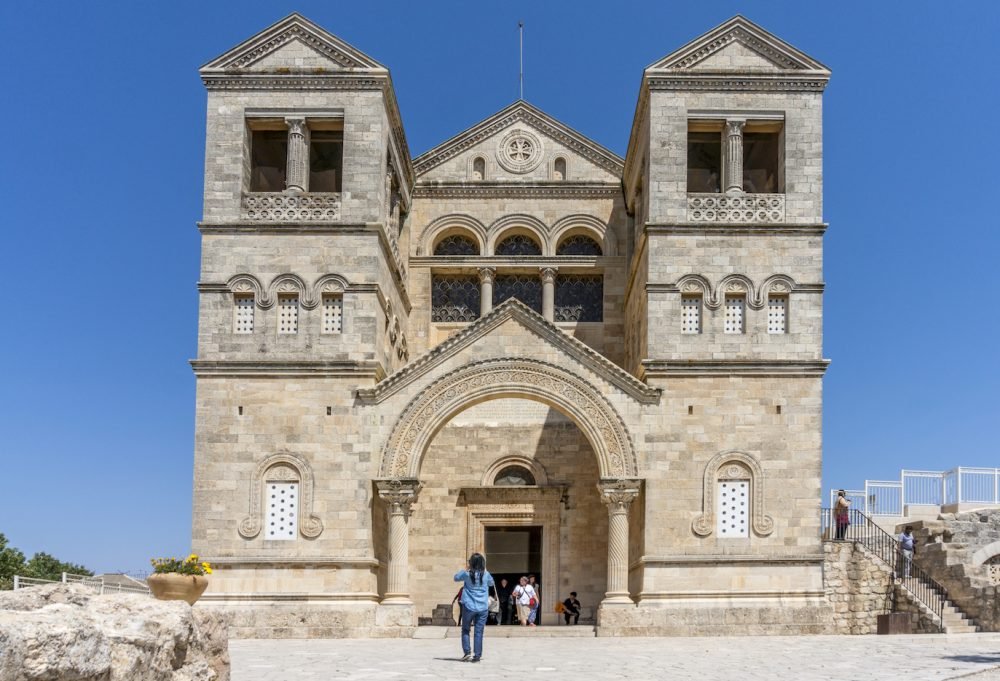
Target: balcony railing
{"points": [[281, 207], [960, 485], [738, 208]]}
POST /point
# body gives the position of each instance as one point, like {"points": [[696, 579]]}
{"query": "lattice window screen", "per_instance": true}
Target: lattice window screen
{"points": [[288, 314], [733, 508], [243, 320], [333, 313], [735, 308], [993, 569], [777, 314], [282, 504], [454, 298], [691, 314]]}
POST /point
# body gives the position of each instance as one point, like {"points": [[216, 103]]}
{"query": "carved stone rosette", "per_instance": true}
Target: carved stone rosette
{"points": [[399, 495], [618, 495]]}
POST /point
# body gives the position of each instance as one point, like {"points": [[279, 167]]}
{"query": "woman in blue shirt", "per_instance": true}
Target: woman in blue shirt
{"points": [[475, 603]]}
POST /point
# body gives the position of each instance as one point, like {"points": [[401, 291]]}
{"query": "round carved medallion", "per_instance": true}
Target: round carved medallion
{"points": [[519, 151]]}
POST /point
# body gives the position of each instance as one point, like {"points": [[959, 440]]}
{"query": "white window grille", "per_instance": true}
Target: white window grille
{"points": [[735, 308], [288, 314], [733, 508], [993, 569], [282, 503], [333, 314], [777, 314], [691, 314], [243, 316]]}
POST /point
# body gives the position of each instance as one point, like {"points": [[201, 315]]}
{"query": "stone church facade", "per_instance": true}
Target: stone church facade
{"points": [[604, 371]]}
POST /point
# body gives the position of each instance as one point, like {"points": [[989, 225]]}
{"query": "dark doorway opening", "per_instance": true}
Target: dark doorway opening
{"points": [[514, 552]]}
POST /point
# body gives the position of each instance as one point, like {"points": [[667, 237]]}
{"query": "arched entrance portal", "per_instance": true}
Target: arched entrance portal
{"points": [[471, 505]]}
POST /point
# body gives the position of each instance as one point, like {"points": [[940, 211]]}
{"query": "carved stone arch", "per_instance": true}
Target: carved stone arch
{"points": [[289, 283], [985, 553], [247, 283], [734, 283], [517, 224], [478, 382], [588, 225], [730, 464], [287, 467], [776, 283], [536, 469], [328, 283], [695, 283], [446, 225]]}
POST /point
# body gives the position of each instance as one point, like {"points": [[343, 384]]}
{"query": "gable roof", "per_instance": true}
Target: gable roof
{"points": [[294, 27], [741, 31], [520, 111], [512, 309]]}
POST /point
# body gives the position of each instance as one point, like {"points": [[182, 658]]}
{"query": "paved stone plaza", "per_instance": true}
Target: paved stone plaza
{"points": [[975, 657]]}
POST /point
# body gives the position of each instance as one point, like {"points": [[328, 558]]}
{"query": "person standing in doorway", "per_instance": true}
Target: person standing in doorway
{"points": [[907, 548], [524, 594], [842, 514], [475, 604], [503, 593], [536, 608]]}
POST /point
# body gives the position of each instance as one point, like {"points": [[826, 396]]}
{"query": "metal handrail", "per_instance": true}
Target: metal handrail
{"points": [[862, 530]]}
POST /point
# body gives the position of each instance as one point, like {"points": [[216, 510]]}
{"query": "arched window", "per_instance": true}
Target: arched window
{"points": [[733, 498], [518, 244], [559, 169], [479, 168], [579, 244], [281, 501], [514, 476], [456, 244]]}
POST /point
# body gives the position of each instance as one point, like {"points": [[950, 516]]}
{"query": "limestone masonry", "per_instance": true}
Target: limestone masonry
{"points": [[603, 371]]}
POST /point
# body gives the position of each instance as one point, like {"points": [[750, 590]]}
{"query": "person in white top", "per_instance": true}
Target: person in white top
{"points": [[524, 594]]}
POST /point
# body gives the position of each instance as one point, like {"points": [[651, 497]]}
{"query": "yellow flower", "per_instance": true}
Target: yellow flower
{"points": [[193, 558], [208, 570]]}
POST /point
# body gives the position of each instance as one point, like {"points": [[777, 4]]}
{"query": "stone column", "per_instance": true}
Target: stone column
{"points": [[734, 155], [486, 275], [399, 494], [618, 495], [297, 170], [549, 293]]}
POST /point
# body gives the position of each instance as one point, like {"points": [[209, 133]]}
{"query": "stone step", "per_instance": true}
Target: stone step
{"points": [[513, 631], [961, 629]]}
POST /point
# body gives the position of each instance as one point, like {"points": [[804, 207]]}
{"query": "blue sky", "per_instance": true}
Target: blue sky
{"points": [[102, 182]]}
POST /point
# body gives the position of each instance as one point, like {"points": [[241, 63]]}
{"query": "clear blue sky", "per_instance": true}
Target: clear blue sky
{"points": [[102, 186]]}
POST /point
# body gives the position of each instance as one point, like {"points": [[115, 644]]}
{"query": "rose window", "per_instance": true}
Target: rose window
{"points": [[519, 151]]}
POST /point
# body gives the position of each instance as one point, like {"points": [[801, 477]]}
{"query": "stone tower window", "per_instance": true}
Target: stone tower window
{"points": [[735, 313], [333, 313], [282, 515], [691, 314], [514, 476], [326, 160], [704, 162], [518, 244], [559, 169], [761, 162], [268, 160], [243, 313], [479, 168], [735, 155], [455, 298], [777, 314], [288, 313]]}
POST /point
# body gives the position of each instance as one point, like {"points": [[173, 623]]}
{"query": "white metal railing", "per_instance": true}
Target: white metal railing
{"points": [[961, 485], [97, 584]]}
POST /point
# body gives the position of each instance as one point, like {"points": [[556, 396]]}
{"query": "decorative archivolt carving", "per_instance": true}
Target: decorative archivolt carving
{"points": [[733, 465], [309, 296], [447, 225], [284, 467], [289, 283], [715, 296], [247, 283], [432, 407]]}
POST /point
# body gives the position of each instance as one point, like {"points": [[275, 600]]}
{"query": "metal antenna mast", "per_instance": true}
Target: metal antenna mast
{"points": [[520, 74]]}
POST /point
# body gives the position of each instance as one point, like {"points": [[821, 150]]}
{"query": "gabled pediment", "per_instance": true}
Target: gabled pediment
{"points": [[512, 311], [292, 45], [486, 138], [738, 45]]}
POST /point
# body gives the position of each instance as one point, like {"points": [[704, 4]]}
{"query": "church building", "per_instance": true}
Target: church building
{"points": [[603, 371]]}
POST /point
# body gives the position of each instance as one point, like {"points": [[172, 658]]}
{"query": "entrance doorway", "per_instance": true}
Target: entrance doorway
{"points": [[514, 552]]}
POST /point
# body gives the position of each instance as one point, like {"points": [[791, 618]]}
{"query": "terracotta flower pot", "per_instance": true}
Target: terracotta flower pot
{"points": [[172, 586]]}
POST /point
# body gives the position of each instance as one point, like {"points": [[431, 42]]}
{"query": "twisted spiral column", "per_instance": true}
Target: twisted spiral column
{"points": [[399, 495], [297, 170], [618, 495]]}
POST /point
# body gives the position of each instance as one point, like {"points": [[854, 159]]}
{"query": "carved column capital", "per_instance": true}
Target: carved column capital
{"points": [[619, 494], [487, 275], [296, 126], [548, 274], [399, 494], [734, 126]]}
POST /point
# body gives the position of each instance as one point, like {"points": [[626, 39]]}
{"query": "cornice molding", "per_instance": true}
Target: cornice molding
{"points": [[529, 262], [204, 368], [727, 82], [656, 368], [291, 228], [735, 229], [512, 309], [537, 190], [737, 559]]}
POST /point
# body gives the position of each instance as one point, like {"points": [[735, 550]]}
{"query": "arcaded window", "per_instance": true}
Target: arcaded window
{"points": [[326, 160], [514, 476], [691, 314], [479, 168], [518, 244], [333, 313], [704, 161], [736, 306], [454, 298], [761, 151], [456, 244], [579, 244], [268, 160], [579, 298], [288, 313], [243, 313], [777, 314], [559, 169], [526, 288]]}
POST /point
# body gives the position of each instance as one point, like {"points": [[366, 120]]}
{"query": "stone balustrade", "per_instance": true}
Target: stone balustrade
{"points": [[736, 208], [282, 207]]}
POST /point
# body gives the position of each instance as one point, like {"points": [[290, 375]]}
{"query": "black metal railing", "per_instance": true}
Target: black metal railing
{"points": [[861, 529]]}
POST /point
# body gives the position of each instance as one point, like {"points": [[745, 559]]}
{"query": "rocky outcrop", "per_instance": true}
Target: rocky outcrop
{"points": [[66, 631]]}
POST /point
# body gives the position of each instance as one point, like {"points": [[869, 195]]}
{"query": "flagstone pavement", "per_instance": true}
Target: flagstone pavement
{"points": [[971, 657]]}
